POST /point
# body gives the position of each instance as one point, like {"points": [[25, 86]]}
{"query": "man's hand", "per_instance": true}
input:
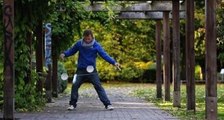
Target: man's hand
{"points": [[62, 56], [118, 66]]}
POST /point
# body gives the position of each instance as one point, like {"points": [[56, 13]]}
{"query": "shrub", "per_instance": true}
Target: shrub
{"points": [[27, 98], [62, 84], [198, 73]]}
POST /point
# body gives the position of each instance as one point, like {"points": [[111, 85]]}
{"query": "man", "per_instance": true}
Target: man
{"points": [[88, 49]]}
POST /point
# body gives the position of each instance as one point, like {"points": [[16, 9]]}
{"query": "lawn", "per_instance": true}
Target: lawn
{"points": [[149, 95]]}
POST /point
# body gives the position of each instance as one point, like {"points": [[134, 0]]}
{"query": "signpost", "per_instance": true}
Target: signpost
{"points": [[48, 61]]}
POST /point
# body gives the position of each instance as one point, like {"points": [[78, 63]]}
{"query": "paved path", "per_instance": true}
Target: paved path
{"points": [[89, 107]]}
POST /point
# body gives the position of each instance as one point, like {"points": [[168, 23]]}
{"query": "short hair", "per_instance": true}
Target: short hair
{"points": [[87, 33]]}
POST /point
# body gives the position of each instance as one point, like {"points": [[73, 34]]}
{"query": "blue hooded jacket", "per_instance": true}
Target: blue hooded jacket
{"points": [[87, 55]]}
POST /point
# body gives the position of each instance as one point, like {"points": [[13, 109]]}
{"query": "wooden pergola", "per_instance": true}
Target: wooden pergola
{"points": [[159, 10]]}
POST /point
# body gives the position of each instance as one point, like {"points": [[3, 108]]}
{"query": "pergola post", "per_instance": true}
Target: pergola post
{"points": [[9, 68], [190, 57], [39, 55], [55, 68], [176, 53], [211, 64], [158, 59], [166, 54]]}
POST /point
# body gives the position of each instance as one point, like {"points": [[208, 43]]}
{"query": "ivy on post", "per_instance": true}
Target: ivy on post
{"points": [[9, 69]]}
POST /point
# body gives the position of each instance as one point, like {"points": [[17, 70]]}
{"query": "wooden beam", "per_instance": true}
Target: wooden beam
{"points": [[146, 15], [135, 7], [190, 56], [176, 53], [166, 54], [158, 59], [211, 61], [9, 68]]}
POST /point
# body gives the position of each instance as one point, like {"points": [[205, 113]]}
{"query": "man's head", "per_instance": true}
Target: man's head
{"points": [[88, 36]]}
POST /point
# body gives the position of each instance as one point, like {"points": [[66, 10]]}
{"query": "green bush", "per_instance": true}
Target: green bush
{"points": [[149, 76], [131, 72], [149, 71], [198, 73], [62, 84], [70, 66], [26, 96], [106, 71]]}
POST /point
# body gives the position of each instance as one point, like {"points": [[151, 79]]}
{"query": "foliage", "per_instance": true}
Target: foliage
{"points": [[27, 14], [198, 73], [129, 42], [199, 45], [70, 66], [25, 23], [35, 101], [62, 84], [149, 95], [66, 23], [220, 36]]}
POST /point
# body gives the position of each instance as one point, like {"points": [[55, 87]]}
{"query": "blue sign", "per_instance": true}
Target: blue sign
{"points": [[48, 34]]}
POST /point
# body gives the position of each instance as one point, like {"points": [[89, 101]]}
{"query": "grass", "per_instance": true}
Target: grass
{"points": [[182, 113]]}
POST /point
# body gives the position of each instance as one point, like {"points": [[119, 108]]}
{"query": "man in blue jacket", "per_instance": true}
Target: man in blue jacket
{"points": [[88, 49]]}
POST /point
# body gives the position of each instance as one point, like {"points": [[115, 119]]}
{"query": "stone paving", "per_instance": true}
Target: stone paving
{"points": [[127, 107]]}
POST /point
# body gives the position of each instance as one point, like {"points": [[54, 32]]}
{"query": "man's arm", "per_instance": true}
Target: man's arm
{"points": [[70, 51]]}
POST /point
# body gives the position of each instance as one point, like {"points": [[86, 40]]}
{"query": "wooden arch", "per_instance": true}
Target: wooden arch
{"points": [[149, 9]]}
